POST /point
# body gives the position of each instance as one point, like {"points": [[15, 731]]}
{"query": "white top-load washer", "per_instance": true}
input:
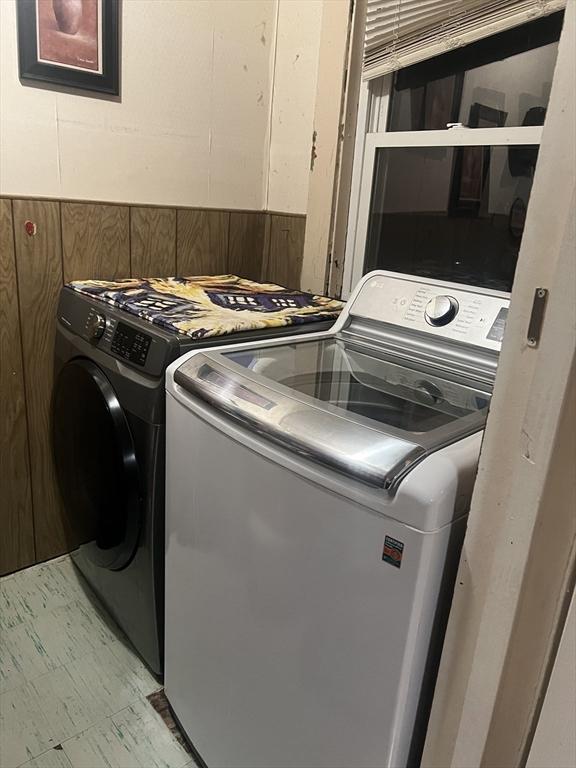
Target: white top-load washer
{"points": [[317, 493]]}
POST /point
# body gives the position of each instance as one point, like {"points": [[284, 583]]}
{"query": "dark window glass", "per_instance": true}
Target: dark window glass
{"points": [[452, 213], [504, 80]]}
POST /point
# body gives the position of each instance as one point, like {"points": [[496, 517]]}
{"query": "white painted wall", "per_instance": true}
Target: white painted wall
{"points": [[332, 67], [293, 98], [194, 123], [514, 84]]}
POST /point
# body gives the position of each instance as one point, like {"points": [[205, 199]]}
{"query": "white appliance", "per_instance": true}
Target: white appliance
{"points": [[317, 492]]}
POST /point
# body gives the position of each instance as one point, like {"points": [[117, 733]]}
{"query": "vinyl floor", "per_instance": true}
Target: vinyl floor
{"points": [[73, 694]]}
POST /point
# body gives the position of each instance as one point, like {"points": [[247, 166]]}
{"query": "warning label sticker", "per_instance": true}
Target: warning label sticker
{"points": [[392, 552]]}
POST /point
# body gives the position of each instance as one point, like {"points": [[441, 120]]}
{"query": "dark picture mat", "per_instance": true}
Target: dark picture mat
{"points": [[472, 164], [435, 104], [41, 72], [517, 218]]}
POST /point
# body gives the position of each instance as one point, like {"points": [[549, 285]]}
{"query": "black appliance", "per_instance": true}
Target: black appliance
{"points": [[108, 429]]}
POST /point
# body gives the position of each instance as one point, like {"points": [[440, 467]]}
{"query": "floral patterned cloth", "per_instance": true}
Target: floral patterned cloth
{"points": [[210, 306]]}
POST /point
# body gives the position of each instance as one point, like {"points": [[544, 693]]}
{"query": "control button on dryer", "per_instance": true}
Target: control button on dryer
{"points": [[441, 310]]}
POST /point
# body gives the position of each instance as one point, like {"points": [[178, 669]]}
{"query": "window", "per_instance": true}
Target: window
{"points": [[450, 202]]}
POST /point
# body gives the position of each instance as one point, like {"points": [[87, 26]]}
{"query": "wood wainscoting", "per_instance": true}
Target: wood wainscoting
{"points": [[45, 243]]}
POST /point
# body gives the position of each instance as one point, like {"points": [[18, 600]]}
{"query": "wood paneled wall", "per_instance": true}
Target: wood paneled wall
{"points": [[285, 252], [45, 243], [17, 530]]}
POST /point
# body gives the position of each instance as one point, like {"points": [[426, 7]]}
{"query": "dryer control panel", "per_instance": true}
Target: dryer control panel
{"points": [[127, 341], [131, 343], [463, 313]]}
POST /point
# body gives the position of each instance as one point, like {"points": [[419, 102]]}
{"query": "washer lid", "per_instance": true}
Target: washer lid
{"points": [[355, 410]]}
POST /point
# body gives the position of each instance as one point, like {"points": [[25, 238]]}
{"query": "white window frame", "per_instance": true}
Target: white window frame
{"points": [[371, 134]]}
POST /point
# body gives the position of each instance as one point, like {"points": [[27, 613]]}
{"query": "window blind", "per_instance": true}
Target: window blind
{"points": [[402, 32]]}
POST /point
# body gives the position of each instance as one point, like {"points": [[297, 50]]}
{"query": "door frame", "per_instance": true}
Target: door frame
{"points": [[518, 564]]}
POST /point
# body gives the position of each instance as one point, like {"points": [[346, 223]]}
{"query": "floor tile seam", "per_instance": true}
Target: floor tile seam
{"points": [[142, 699], [50, 611], [43, 611], [79, 680], [102, 720], [48, 729], [45, 752], [134, 678], [96, 724], [32, 679], [79, 733], [144, 668], [65, 664], [168, 732], [102, 643]]}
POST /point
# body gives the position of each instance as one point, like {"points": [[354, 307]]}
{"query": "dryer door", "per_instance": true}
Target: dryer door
{"points": [[96, 464]]}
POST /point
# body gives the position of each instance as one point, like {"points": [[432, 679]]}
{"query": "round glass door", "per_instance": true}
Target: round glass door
{"points": [[96, 464]]}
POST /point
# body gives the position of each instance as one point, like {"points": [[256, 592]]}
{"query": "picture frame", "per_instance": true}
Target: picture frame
{"points": [[431, 105], [70, 43], [481, 116], [472, 164]]}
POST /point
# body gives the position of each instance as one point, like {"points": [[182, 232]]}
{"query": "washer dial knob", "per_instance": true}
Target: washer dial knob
{"points": [[441, 310], [96, 325]]}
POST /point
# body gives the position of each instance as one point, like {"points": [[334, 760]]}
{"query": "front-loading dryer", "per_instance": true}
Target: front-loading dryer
{"points": [[114, 341]]}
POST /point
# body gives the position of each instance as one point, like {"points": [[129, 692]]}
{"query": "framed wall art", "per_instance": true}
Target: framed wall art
{"points": [[71, 43], [472, 164]]}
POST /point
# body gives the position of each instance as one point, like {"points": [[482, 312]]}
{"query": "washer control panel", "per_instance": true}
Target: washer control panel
{"points": [[463, 313]]}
